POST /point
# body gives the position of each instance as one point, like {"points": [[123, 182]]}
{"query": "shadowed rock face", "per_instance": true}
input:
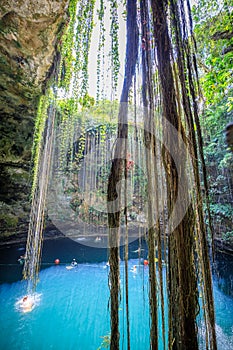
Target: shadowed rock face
{"points": [[29, 33]]}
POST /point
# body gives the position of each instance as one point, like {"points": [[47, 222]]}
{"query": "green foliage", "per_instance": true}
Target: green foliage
{"points": [[87, 101], [67, 49], [217, 82], [114, 43], [38, 135], [75, 47], [9, 220], [214, 120], [227, 161], [73, 81], [100, 55], [222, 211], [228, 236], [76, 104], [213, 30], [105, 111], [84, 28]]}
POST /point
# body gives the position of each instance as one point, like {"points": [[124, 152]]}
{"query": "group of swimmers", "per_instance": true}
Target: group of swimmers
{"points": [[27, 303]]}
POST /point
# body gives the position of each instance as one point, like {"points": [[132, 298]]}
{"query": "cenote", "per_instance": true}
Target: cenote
{"points": [[125, 215], [72, 309]]}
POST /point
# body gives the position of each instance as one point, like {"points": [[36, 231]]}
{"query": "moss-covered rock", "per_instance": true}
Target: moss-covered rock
{"points": [[29, 33]]}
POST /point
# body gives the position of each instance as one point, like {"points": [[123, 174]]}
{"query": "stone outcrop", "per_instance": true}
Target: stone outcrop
{"points": [[29, 33]]}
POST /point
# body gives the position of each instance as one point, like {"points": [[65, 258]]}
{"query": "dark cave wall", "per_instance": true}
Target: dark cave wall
{"points": [[29, 32]]}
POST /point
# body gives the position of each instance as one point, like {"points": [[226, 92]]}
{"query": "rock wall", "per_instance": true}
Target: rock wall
{"points": [[29, 33]]}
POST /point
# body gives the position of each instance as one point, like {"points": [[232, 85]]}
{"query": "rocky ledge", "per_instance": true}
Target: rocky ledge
{"points": [[29, 33]]}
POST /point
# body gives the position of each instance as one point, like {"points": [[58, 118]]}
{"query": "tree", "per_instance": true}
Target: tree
{"points": [[214, 36]]}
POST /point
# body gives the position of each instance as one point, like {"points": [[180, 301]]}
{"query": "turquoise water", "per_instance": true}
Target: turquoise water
{"points": [[72, 312]]}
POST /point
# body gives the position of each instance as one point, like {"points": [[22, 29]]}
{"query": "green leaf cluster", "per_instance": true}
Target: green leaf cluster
{"points": [[214, 34], [114, 43], [67, 44], [213, 27]]}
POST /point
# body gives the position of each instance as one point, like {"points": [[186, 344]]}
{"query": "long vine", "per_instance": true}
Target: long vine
{"points": [[83, 34], [67, 49], [100, 54], [115, 61], [38, 136]]}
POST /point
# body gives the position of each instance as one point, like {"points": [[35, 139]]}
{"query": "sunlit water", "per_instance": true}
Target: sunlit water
{"points": [[71, 310]]}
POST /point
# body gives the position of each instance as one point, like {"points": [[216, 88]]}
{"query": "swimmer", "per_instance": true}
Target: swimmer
{"points": [[106, 265], [26, 304], [138, 250], [74, 263], [21, 259], [134, 269]]}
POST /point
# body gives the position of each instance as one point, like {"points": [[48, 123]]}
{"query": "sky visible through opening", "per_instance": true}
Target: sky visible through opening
{"points": [[92, 67]]}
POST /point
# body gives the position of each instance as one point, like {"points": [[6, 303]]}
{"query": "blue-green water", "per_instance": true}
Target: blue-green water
{"points": [[72, 312], [72, 309]]}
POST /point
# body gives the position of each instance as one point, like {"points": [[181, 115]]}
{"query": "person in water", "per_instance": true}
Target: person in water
{"points": [[21, 259], [74, 263], [26, 304], [134, 269]]}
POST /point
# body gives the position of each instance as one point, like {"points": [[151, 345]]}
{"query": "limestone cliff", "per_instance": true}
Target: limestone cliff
{"points": [[29, 33]]}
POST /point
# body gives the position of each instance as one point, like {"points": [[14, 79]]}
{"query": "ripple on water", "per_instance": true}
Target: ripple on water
{"points": [[28, 302]]}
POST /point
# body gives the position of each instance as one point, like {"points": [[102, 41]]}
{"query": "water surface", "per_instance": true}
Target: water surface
{"points": [[72, 310]]}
